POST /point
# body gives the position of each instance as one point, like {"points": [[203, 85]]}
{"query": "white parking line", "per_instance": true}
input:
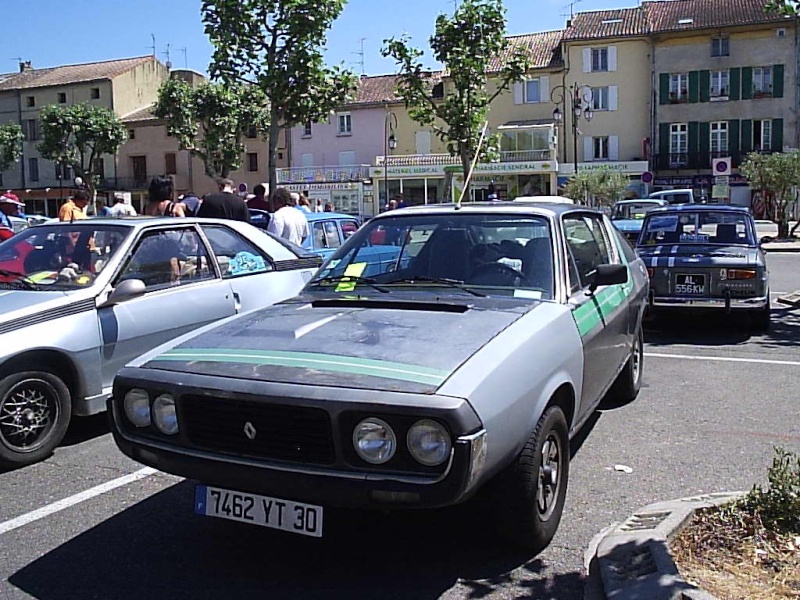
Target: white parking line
{"points": [[760, 361], [59, 505]]}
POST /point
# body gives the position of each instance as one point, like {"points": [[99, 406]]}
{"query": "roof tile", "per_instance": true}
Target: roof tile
{"points": [[544, 49], [622, 22], [664, 15], [70, 74]]}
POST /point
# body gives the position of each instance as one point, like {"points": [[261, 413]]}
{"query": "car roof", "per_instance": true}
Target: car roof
{"points": [[658, 201], [541, 207], [318, 216], [138, 222], [700, 208]]}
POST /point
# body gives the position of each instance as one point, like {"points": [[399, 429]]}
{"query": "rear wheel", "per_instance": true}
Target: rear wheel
{"points": [[530, 493], [35, 409]]}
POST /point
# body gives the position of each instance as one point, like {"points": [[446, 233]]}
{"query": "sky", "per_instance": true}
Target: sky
{"points": [[53, 32]]}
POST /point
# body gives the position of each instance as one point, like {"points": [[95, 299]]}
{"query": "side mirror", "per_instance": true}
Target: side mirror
{"points": [[609, 275], [766, 240], [126, 290]]}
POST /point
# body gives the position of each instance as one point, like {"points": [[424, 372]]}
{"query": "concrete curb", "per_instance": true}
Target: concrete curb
{"points": [[631, 560]]}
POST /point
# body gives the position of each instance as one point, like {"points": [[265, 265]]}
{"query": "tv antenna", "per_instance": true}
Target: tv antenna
{"points": [[166, 54], [153, 47], [185, 57], [360, 54], [571, 7]]}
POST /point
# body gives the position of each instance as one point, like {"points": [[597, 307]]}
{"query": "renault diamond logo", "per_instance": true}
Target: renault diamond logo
{"points": [[250, 431]]}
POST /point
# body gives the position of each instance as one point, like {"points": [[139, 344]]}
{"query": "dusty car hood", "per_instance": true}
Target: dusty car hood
{"points": [[698, 255], [367, 346]]}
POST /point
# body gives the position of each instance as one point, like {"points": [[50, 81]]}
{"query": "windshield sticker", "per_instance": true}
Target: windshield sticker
{"points": [[663, 223], [528, 294], [246, 262], [352, 270], [694, 237]]}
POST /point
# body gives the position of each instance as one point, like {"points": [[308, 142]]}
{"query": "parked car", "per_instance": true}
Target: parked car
{"points": [[675, 196], [467, 363], [628, 215], [705, 257], [82, 299], [328, 231]]}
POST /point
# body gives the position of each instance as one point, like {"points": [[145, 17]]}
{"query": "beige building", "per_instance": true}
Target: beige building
{"points": [[119, 85]]}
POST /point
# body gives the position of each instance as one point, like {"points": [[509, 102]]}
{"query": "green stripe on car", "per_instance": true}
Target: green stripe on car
{"points": [[311, 360], [608, 300]]}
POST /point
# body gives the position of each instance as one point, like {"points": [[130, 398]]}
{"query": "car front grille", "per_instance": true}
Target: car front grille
{"points": [[257, 429]]}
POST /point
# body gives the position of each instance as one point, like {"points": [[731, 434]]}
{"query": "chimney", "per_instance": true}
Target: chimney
{"points": [[25, 66]]}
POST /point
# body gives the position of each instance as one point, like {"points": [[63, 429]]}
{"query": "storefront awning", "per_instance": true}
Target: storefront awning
{"points": [[528, 124]]}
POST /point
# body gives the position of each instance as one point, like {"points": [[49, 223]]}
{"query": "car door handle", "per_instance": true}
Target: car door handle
{"points": [[237, 302]]}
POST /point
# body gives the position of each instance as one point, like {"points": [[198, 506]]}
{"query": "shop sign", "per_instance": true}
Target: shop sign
{"points": [[321, 187], [635, 167]]}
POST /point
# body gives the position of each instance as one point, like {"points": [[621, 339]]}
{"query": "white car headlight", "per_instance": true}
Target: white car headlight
{"points": [[374, 441], [429, 443], [164, 415], [137, 407]]}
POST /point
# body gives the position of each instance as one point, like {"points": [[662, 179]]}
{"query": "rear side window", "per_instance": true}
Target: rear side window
{"points": [[236, 256]]}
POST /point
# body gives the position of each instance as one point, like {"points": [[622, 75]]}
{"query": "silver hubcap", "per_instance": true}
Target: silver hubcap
{"points": [[549, 476], [27, 415], [636, 359]]}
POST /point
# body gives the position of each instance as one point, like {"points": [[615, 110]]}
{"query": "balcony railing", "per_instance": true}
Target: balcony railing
{"points": [[344, 173], [415, 160], [695, 160]]}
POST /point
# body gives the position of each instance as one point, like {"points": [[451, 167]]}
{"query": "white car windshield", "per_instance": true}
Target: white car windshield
{"points": [[504, 254]]}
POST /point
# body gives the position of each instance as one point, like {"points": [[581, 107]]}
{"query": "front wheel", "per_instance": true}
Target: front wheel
{"points": [[35, 409], [532, 490], [629, 381]]}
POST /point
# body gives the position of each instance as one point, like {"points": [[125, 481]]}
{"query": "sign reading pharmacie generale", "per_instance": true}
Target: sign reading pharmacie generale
{"points": [[440, 170]]}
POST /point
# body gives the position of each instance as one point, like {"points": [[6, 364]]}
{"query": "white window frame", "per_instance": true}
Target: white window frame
{"points": [[762, 80], [678, 142], [720, 46], [344, 123], [600, 147], [679, 87], [600, 98], [527, 98], [599, 60], [720, 85], [307, 130], [764, 132], [718, 141]]}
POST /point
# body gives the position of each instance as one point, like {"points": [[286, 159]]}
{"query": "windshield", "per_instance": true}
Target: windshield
{"points": [[634, 210], [706, 227], [62, 256], [498, 254]]}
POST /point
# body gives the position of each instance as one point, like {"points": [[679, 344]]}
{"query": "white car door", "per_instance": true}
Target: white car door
{"points": [[183, 292]]}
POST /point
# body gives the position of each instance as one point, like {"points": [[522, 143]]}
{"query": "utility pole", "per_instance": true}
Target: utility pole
{"points": [[166, 54]]}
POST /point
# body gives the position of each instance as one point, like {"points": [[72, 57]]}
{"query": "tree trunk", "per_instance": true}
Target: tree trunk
{"points": [[272, 155]]}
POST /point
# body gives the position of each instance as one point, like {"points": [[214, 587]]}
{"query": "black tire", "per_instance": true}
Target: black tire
{"points": [[529, 495], [629, 381], [35, 410], [760, 319]]}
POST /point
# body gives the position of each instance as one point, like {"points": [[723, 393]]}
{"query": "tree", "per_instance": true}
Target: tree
{"points": [[78, 135], [784, 7], [210, 120], [466, 44], [10, 145], [602, 187], [776, 177], [277, 46]]}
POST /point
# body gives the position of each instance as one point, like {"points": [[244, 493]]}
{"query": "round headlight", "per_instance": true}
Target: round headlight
{"points": [[428, 442], [137, 407], [374, 441], [164, 415]]}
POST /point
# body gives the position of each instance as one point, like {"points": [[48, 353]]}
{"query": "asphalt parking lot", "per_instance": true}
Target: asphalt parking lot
{"points": [[89, 523]]}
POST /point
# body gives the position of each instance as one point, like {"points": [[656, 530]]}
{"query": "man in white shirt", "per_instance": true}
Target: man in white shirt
{"points": [[287, 222], [120, 208]]}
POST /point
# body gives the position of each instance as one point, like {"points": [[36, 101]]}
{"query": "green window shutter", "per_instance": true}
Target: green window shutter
{"points": [[777, 135], [663, 138], [694, 86], [736, 84], [663, 94], [704, 133], [747, 135], [705, 86], [777, 81], [693, 131], [747, 83], [733, 137]]}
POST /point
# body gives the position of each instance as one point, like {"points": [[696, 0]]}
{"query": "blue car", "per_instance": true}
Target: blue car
{"points": [[628, 215]]}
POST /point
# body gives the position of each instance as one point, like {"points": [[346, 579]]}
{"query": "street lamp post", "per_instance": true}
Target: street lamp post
{"points": [[390, 143], [581, 106]]}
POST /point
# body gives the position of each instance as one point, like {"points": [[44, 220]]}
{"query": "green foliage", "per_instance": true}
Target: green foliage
{"points": [[466, 44], [778, 504], [601, 187], [210, 120], [776, 176], [278, 46], [78, 135], [784, 7], [10, 144]]}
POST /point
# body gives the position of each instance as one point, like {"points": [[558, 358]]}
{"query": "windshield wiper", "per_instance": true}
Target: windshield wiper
{"points": [[21, 278], [352, 279], [452, 283]]}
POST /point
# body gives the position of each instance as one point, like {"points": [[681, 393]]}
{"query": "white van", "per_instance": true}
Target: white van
{"points": [[675, 196]]}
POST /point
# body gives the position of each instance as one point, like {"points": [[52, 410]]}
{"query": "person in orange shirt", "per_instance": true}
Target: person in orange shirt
{"points": [[74, 209]]}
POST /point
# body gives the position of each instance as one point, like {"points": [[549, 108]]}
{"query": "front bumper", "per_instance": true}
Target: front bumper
{"points": [[726, 303]]}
